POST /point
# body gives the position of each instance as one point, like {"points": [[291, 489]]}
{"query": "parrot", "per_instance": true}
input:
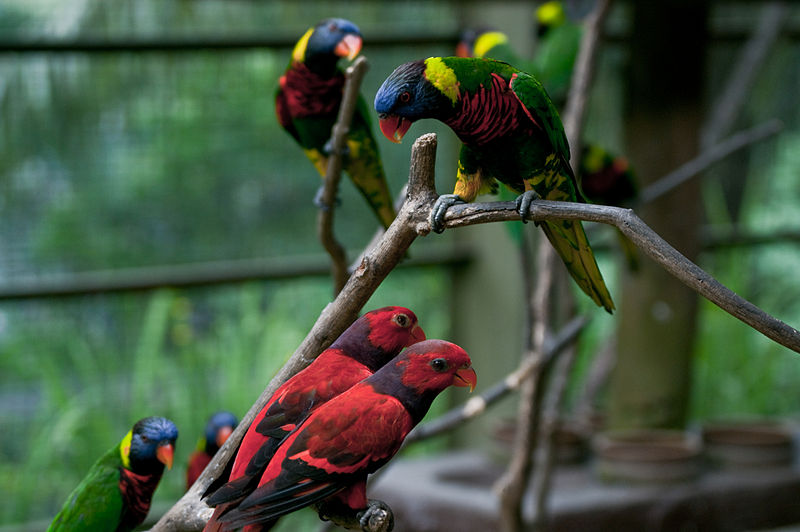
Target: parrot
{"points": [[307, 105], [510, 131], [488, 43], [220, 425], [559, 40], [115, 494], [330, 454], [608, 179], [369, 343]]}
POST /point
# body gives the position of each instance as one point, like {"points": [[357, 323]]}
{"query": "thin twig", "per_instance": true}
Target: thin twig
{"points": [[477, 405], [512, 485], [583, 74], [709, 156], [740, 82], [602, 364], [551, 419], [353, 77], [734, 236]]}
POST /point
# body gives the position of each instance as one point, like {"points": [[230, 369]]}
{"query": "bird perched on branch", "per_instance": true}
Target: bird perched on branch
{"points": [[488, 43], [220, 425], [329, 455], [307, 104], [364, 347], [115, 494], [511, 133]]}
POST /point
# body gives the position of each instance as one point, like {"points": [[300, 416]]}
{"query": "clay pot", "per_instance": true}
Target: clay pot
{"points": [[743, 444], [647, 456]]}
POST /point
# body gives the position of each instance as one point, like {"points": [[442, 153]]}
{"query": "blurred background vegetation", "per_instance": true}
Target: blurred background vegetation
{"points": [[129, 158]]}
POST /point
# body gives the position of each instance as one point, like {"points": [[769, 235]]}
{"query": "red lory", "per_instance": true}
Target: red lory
{"points": [[510, 131], [369, 343], [307, 105], [329, 455], [115, 494], [220, 425]]}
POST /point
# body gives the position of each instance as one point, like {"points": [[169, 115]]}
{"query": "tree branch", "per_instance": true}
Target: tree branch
{"points": [[512, 485], [353, 77], [477, 405], [648, 241], [583, 74], [744, 74], [551, 420], [190, 512], [708, 157]]}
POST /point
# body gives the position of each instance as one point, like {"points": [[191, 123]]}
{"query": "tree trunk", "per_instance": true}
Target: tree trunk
{"points": [[650, 384]]}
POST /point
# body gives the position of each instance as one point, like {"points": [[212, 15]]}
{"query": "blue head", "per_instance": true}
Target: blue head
{"points": [[150, 445], [406, 96], [322, 46], [218, 428]]}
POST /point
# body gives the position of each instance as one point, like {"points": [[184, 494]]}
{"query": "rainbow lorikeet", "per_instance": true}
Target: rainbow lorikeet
{"points": [[115, 494], [369, 343], [488, 43], [608, 179], [220, 425], [554, 58], [511, 133], [556, 49], [330, 454], [307, 104]]}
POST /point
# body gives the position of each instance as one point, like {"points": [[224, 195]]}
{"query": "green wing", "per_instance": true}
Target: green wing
{"points": [[533, 96], [555, 59], [557, 182], [96, 504], [364, 166]]}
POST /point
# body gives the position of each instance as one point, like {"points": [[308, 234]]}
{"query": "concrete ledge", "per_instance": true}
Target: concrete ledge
{"points": [[453, 492]]}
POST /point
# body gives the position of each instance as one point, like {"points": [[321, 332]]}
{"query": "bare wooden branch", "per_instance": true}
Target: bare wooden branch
{"points": [[583, 74], [602, 364], [190, 512], [511, 487], [353, 77], [709, 156], [551, 420], [728, 106], [735, 236], [649, 242], [477, 405]]}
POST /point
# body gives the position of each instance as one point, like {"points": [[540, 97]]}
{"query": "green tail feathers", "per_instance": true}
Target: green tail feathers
{"points": [[571, 244], [364, 166]]}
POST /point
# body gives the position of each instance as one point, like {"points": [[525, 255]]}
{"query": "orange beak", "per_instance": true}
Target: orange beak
{"points": [[223, 434], [417, 334], [462, 50], [165, 454], [394, 127], [466, 377], [348, 47]]}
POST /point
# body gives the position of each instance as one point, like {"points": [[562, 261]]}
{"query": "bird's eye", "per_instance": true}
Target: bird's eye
{"points": [[405, 96], [402, 320], [332, 26], [439, 364], [144, 439]]}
